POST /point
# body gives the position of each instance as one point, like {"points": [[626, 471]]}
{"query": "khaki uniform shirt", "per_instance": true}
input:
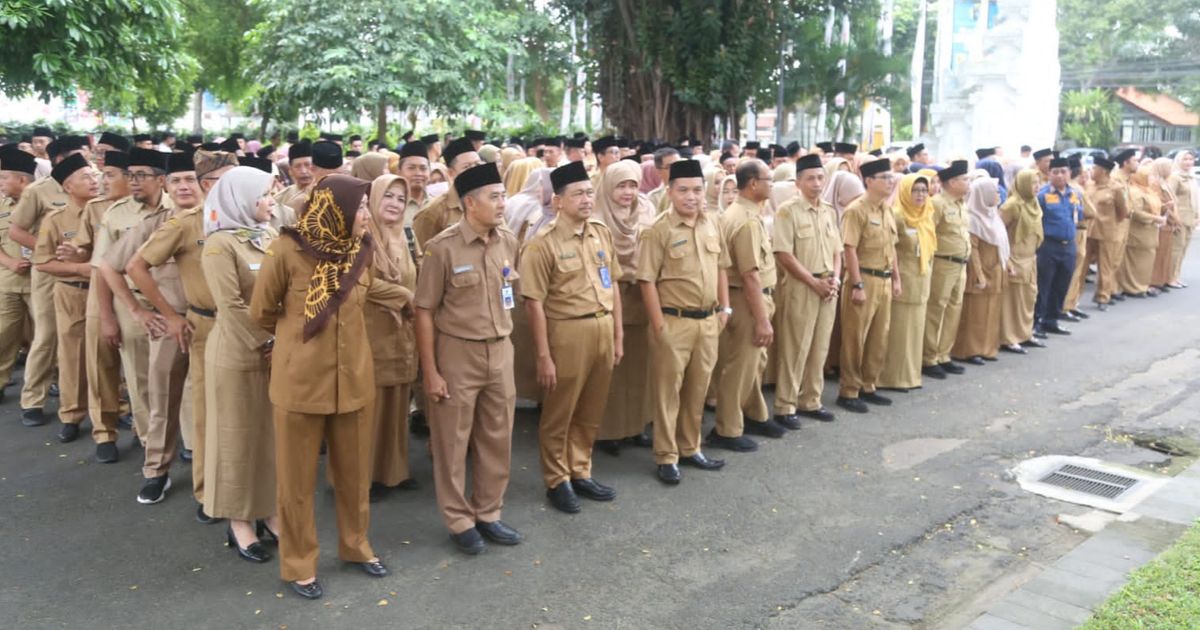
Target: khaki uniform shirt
{"points": [[93, 215], [683, 260], [749, 246], [287, 195], [11, 282], [462, 280], [952, 226], [1109, 201], [1185, 203], [166, 275], [122, 216], [39, 199], [810, 233], [561, 268], [871, 230], [393, 339], [231, 264], [332, 373], [442, 212], [180, 241], [57, 228]]}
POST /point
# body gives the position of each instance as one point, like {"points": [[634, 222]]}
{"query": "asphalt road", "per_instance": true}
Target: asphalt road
{"points": [[903, 517]]}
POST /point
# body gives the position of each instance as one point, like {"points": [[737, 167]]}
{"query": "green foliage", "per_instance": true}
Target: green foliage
{"points": [[216, 36], [1090, 117]]}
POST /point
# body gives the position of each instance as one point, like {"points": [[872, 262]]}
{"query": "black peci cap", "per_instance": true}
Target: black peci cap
{"points": [[1041, 153], [569, 174], [875, 167], [685, 168], [117, 159], [326, 154], [14, 159], [148, 157], [180, 163], [476, 177], [117, 142], [68, 167], [956, 168], [414, 148], [914, 150], [457, 147], [811, 160], [254, 161]]}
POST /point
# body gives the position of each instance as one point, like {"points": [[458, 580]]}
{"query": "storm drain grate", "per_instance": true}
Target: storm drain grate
{"points": [[1089, 481]]}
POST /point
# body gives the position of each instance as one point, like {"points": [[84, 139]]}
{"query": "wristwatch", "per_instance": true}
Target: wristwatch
{"points": [[858, 285]]}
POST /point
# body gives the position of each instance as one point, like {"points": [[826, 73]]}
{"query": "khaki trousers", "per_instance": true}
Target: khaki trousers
{"points": [[39, 364], [1079, 276], [70, 304], [682, 357], [135, 361], [14, 312], [1108, 262], [582, 350], [801, 345], [626, 413], [475, 423], [865, 334], [168, 376], [390, 447], [104, 383], [202, 327], [740, 366], [942, 312], [297, 452], [1179, 247]]}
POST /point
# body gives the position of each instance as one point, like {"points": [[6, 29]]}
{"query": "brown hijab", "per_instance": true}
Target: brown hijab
{"points": [[325, 231], [368, 166]]}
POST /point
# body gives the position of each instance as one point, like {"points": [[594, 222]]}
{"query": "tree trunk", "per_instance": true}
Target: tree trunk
{"points": [[539, 97], [265, 111], [381, 121], [198, 112]]}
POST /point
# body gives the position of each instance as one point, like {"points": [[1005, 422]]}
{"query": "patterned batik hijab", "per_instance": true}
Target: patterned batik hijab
{"points": [[325, 231]]}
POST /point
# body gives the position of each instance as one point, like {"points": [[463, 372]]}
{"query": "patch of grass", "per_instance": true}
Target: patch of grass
{"points": [[1162, 595]]}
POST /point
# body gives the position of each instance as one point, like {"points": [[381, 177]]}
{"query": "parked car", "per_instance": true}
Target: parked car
{"points": [[1084, 151], [1173, 152], [1143, 151]]}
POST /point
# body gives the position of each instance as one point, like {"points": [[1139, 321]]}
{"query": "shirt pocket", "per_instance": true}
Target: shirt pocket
{"points": [[465, 280]]}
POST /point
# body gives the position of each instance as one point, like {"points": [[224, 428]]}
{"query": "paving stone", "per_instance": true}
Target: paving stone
{"points": [[992, 622], [1070, 588], [1079, 564], [1049, 606], [1167, 510], [1028, 617], [1114, 553]]}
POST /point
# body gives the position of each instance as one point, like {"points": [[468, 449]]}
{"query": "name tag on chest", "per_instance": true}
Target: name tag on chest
{"points": [[255, 266], [463, 269]]}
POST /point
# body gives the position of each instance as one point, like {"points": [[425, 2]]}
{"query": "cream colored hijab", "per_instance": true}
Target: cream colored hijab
{"points": [[369, 166], [983, 203], [625, 223], [393, 261], [517, 174]]}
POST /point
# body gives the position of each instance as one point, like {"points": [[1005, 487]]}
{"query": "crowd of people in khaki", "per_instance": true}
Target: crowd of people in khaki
{"points": [[251, 308]]}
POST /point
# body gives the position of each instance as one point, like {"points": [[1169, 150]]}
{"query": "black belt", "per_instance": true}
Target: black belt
{"points": [[826, 274], [765, 290], [596, 315], [690, 314], [77, 285], [1059, 241], [877, 273], [961, 261], [203, 312]]}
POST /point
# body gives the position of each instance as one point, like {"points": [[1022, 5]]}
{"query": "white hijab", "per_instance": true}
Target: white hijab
{"points": [[983, 203], [532, 204], [233, 201]]}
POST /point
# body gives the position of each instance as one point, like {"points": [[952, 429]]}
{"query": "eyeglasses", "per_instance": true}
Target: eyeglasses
{"points": [[142, 176]]}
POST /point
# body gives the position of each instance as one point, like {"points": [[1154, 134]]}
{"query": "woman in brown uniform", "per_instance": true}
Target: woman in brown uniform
{"points": [[310, 293], [1022, 217], [1187, 194], [917, 242], [626, 212], [978, 335], [239, 464], [1145, 220], [1160, 173], [391, 335]]}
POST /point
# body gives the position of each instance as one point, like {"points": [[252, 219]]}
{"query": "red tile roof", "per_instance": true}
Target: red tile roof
{"points": [[1160, 106]]}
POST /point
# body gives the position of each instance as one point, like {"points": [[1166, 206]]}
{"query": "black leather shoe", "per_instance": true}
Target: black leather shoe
{"points": [[312, 590], [499, 533], [852, 404], [765, 428], [1068, 315], [252, 553], [407, 485], [989, 359], [469, 542], [563, 498], [373, 568], [417, 425], [1038, 334], [976, 360], [1102, 307], [1034, 342], [612, 447], [934, 371], [951, 368], [33, 417], [594, 490], [377, 492], [125, 422], [788, 421], [68, 432], [52, 391], [1152, 292], [875, 399], [1136, 296], [107, 453], [185, 454], [203, 518], [641, 440], [703, 462], [740, 444], [1080, 314], [821, 413], [668, 474], [1055, 329], [1120, 297], [1015, 349], [264, 533]]}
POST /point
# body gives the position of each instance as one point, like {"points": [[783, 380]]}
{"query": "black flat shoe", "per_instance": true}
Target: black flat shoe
{"points": [[33, 417], [203, 518], [1120, 297], [1055, 329], [1015, 349], [898, 390], [821, 413], [53, 390], [875, 399], [1037, 334], [417, 424], [373, 568], [264, 533], [1136, 296], [971, 360], [934, 371], [1102, 307], [1080, 314], [853, 405], [469, 542], [989, 359], [1153, 293], [377, 492], [68, 433], [563, 498], [668, 474], [788, 421], [612, 447], [1068, 315], [185, 454], [107, 453], [125, 422], [312, 590], [252, 553], [739, 444], [640, 440], [703, 462], [594, 490], [765, 428], [499, 533], [951, 368]]}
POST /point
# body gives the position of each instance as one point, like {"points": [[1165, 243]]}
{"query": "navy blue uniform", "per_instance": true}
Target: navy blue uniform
{"points": [[1061, 211]]}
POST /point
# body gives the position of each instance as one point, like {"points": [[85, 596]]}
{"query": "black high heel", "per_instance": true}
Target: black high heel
{"points": [[260, 528], [253, 553]]}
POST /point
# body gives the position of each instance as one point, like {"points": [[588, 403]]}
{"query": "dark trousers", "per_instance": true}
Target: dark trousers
{"points": [[1056, 263]]}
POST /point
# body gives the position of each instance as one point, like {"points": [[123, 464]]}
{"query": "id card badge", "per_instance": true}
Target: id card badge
{"points": [[605, 276], [506, 290], [26, 253]]}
